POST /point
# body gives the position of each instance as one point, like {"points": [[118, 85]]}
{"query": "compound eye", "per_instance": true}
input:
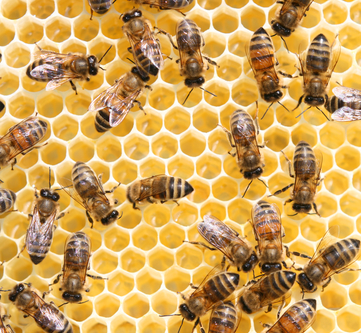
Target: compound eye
{"points": [[126, 17], [246, 267], [266, 267], [93, 71], [77, 297], [44, 193], [55, 197], [137, 13], [278, 266]]}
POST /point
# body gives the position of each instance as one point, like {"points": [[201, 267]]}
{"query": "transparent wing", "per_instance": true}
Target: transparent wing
{"points": [[248, 134], [199, 292], [346, 114], [348, 95], [151, 187], [326, 241]]}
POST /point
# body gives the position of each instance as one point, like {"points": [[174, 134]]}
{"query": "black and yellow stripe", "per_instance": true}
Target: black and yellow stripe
{"points": [[318, 55], [7, 200], [304, 161], [224, 318]]}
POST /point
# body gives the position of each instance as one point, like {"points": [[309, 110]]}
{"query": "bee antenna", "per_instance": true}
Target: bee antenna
{"points": [[175, 314], [321, 112], [105, 54], [188, 96], [104, 71], [293, 214], [131, 61], [267, 110], [121, 215], [181, 325], [49, 178], [263, 182], [63, 304], [208, 92], [304, 112], [247, 188], [285, 44], [283, 106]]}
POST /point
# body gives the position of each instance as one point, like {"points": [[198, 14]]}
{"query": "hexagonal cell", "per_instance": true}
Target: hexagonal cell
{"points": [[164, 302], [136, 305], [164, 146], [172, 236], [332, 135], [109, 148], [49, 105], [8, 32], [8, 249], [152, 323], [325, 321], [58, 29], [201, 191], [177, 120], [170, 73], [348, 38], [156, 215], [209, 4], [185, 214], [106, 305], [225, 20], [222, 96], [306, 133], [17, 55], [188, 256], [109, 26], [81, 149], [238, 41], [326, 204], [239, 210], [41, 9], [94, 326], [160, 258], [215, 44], [336, 182], [161, 97], [148, 281], [277, 138], [253, 17], [313, 230], [205, 119], [208, 166], [13, 180], [9, 83], [13, 10], [122, 324], [152, 166], [214, 208], [181, 166], [245, 92], [21, 105], [19, 269], [78, 104], [17, 230], [230, 68], [352, 136], [192, 143], [188, 99], [104, 262], [348, 158], [350, 203], [224, 188], [335, 12], [136, 147], [348, 319], [125, 171], [116, 239], [99, 46], [150, 123], [49, 267], [65, 127], [132, 260], [85, 29], [218, 142], [144, 237], [121, 284]]}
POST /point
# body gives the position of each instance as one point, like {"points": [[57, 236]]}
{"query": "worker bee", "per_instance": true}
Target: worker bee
{"points": [[46, 315], [289, 16], [317, 64], [307, 167], [99, 6], [166, 4], [76, 264], [4, 328], [21, 139], [297, 319], [249, 158], [345, 105], [331, 257], [113, 104], [57, 68], [158, 188], [261, 57], [89, 193], [7, 200], [268, 290], [224, 318], [238, 251], [215, 288], [39, 235], [144, 46]]}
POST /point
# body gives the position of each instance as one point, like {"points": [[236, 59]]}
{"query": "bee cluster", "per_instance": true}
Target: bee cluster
{"points": [[223, 294]]}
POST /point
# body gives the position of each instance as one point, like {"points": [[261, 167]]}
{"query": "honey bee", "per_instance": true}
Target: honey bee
{"points": [[249, 158], [289, 16], [99, 6], [297, 319], [224, 318], [193, 64], [158, 188], [307, 167], [113, 104], [144, 46], [46, 315], [238, 251], [39, 235], [7, 200], [76, 264], [90, 194], [166, 4], [215, 288], [58, 69], [345, 105], [331, 257], [317, 64], [268, 290], [261, 57], [21, 139], [5, 328]]}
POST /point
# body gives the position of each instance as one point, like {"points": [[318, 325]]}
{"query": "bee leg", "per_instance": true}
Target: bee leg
{"points": [[56, 280], [269, 309], [266, 325], [280, 308], [287, 75], [135, 207], [23, 248], [73, 87], [168, 35], [90, 219], [212, 62], [113, 189], [10, 328], [229, 135], [299, 102], [315, 208], [193, 286], [59, 217], [183, 297], [47, 293], [289, 165], [201, 244], [130, 49], [176, 202], [201, 326], [326, 284], [26, 316], [91, 13], [13, 163], [281, 191], [96, 277]]}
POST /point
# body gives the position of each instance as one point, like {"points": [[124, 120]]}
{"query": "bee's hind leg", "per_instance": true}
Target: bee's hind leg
{"points": [[73, 87]]}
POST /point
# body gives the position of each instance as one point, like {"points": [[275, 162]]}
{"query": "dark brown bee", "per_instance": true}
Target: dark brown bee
{"points": [[166, 4], [113, 104], [90, 194], [46, 315], [21, 139], [224, 318], [289, 16], [144, 46], [238, 251], [261, 57], [39, 235], [157, 188], [99, 6], [5, 328], [215, 288], [244, 134], [317, 64], [76, 264], [58, 69], [297, 319], [268, 290], [7, 200], [307, 168], [330, 258], [345, 105]]}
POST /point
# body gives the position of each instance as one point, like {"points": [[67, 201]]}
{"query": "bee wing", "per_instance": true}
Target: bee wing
{"points": [[219, 235], [335, 55], [149, 189], [346, 114], [266, 302], [247, 131], [326, 241], [69, 190], [348, 95], [319, 159]]}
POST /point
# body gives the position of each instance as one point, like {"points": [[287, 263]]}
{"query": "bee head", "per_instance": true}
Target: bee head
{"points": [[306, 283], [135, 71], [274, 96], [72, 298], [186, 313], [314, 101], [256, 173], [131, 15], [19, 288], [250, 263], [113, 216], [93, 65], [279, 29], [301, 208], [194, 83], [48, 194], [270, 267]]}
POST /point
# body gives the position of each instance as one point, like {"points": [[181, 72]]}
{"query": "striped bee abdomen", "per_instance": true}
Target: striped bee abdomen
{"points": [[189, 37], [304, 161], [100, 6], [318, 55], [57, 323], [242, 128], [102, 120], [84, 180], [278, 283], [224, 318], [221, 286], [77, 250], [147, 65], [7, 200], [266, 220]]}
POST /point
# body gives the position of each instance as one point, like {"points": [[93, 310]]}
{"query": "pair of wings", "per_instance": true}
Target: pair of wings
{"points": [[246, 131], [118, 106], [53, 68], [289, 5], [326, 241], [269, 226], [221, 235], [347, 95]]}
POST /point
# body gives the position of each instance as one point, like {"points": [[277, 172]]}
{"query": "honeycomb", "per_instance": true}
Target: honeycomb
{"points": [[143, 254]]}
